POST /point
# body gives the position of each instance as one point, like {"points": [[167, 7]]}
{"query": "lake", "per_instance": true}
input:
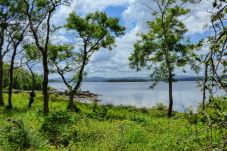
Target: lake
{"points": [[138, 94]]}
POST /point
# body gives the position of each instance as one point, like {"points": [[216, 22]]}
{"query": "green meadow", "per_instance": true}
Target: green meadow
{"points": [[101, 128]]}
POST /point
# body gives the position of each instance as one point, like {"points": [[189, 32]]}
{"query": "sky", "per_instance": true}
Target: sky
{"points": [[134, 16]]}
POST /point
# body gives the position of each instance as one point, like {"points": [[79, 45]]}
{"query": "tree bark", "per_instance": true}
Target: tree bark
{"points": [[71, 105], [32, 94], [1, 82], [1, 67], [170, 93], [204, 84], [81, 70], [45, 84], [10, 106]]}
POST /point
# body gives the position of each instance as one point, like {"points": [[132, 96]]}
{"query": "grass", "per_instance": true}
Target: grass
{"points": [[97, 128]]}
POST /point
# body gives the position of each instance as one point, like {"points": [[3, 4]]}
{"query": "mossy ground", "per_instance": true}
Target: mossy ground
{"points": [[103, 128]]}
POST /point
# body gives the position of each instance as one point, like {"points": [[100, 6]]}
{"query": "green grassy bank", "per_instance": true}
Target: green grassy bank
{"points": [[105, 128]]}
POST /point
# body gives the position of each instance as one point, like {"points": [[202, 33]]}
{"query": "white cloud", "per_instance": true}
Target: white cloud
{"points": [[198, 17], [135, 16]]}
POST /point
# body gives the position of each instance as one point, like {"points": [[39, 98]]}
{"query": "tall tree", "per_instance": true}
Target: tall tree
{"points": [[6, 17], [39, 13], [96, 30], [16, 33], [214, 60], [165, 46]]}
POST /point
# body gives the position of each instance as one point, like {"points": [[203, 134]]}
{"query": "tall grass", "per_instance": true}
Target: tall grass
{"points": [[96, 127]]}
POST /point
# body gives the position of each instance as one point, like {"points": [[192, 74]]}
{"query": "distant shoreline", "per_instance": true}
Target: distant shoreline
{"points": [[132, 79], [113, 81]]}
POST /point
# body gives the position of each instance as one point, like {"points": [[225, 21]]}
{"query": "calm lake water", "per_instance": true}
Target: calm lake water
{"points": [[185, 93]]}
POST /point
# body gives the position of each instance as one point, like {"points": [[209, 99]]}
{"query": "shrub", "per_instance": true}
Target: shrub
{"points": [[160, 106], [86, 135], [99, 112], [136, 135], [17, 136], [137, 118], [144, 110], [216, 110], [53, 128], [191, 116]]}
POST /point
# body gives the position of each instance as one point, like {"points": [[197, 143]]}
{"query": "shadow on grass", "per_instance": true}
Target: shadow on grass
{"points": [[14, 111]]}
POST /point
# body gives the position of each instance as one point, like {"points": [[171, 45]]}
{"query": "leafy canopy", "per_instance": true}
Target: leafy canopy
{"points": [[165, 46], [96, 29]]}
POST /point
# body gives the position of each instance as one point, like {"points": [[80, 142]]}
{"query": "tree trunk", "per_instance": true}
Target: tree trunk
{"points": [[45, 84], [32, 94], [81, 71], [11, 81], [170, 93], [1, 67], [204, 85], [1, 82], [71, 105]]}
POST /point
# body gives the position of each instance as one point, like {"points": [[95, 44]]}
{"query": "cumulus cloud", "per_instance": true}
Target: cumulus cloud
{"points": [[135, 17], [198, 17]]}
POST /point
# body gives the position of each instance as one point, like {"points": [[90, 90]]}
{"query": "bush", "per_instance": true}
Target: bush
{"points": [[191, 116], [160, 106], [136, 135], [53, 128], [99, 112], [216, 110], [87, 135], [137, 118], [17, 136]]}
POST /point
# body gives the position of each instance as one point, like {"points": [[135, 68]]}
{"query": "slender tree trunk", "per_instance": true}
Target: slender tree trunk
{"points": [[1, 82], [71, 105], [11, 80], [32, 94], [204, 85], [45, 84], [1, 67], [81, 71], [170, 93], [80, 78]]}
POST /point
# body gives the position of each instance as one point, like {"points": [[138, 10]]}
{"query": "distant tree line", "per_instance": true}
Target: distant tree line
{"points": [[22, 79]]}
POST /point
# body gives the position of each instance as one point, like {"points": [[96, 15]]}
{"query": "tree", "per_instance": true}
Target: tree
{"points": [[32, 57], [165, 46], [16, 33], [214, 61], [7, 12], [96, 31], [39, 13]]}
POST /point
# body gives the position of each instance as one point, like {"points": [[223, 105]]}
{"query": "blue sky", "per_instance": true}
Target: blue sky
{"points": [[134, 17]]}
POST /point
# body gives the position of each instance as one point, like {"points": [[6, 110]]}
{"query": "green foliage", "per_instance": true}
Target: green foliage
{"points": [[122, 128], [53, 126], [165, 46], [191, 116], [160, 106], [216, 110], [137, 135], [99, 112], [98, 30], [57, 98], [22, 79], [17, 136]]}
